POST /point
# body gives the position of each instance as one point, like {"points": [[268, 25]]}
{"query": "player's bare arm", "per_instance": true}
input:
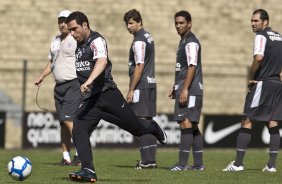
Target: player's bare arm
{"points": [[46, 71], [99, 67], [171, 93], [133, 83], [254, 68], [188, 80]]}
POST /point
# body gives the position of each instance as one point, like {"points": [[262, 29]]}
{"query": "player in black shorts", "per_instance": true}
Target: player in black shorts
{"points": [[102, 98], [142, 93], [264, 99], [188, 94]]}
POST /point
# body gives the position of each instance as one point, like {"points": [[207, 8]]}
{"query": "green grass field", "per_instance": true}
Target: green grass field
{"points": [[116, 166]]}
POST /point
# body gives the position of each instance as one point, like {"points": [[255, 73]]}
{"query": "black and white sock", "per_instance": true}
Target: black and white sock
{"points": [[142, 142], [274, 145], [197, 148], [186, 140], [243, 141], [152, 147]]}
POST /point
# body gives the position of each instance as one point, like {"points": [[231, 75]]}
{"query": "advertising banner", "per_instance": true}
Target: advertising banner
{"points": [[220, 131], [42, 129]]}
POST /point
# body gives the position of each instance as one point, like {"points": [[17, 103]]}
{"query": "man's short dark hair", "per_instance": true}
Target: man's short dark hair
{"points": [[134, 14], [185, 14], [263, 14], [79, 17]]}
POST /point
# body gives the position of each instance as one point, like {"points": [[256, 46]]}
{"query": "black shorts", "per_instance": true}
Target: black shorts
{"points": [[144, 102], [67, 97], [264, 102], [192, 111]]}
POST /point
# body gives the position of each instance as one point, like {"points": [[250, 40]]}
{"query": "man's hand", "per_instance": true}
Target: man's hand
{"points": [[85, 88], [38, 80], [250, 84], [129, 96], [183, 97]]}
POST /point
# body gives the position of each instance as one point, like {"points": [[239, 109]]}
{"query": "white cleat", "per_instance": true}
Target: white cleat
{"points": [[231, 167], [178, 167], [267, 169]]}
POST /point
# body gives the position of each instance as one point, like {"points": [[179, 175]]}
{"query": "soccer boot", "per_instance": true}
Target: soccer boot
{"points": [[160, 135], [197, 168], [269, 169], [84, 175], [231, 167], [178, 167], [146, 165]]}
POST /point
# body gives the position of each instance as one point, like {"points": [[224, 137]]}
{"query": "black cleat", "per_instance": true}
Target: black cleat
{"points": [[84, 175], [160, 135], [146, 165]]}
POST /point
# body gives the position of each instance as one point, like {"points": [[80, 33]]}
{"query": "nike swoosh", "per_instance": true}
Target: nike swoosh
{"points": [[122, 106], [212, 137]]}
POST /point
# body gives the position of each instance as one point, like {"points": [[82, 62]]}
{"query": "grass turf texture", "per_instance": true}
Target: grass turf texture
{"points": [[117, 166]]}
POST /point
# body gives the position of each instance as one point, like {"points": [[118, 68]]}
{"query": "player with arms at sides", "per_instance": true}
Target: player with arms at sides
{"points": [[188, 94], [102, 98], [66, 90], [142, 93], [264, 99]]}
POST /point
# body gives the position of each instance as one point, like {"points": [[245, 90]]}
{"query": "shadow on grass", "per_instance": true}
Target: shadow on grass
{"points": [[124, 180], [130, 166], [107, 180], [253, 169], [124, 166], [59, 164]]}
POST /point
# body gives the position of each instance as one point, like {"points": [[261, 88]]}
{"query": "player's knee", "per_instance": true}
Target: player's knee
{"points": [[245, 130], [186, 124], [274, 130], [246, 123]]}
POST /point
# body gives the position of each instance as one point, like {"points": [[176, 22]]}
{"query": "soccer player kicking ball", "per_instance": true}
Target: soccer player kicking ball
{"points": [[102, 99]]}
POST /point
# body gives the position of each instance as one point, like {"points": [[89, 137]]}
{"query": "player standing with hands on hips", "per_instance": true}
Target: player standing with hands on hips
{"points": [[142, 93], [264, 99], [66, 90], [102, 98], [188, 94]]}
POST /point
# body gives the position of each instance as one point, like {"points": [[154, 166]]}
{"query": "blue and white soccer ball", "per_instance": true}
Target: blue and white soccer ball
{"points": [[19, 168]]}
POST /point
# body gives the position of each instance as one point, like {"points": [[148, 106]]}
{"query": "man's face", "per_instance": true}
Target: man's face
{"points": [[63, 27], [257, 23], [181, 25], [133, 26], [77, 31]]}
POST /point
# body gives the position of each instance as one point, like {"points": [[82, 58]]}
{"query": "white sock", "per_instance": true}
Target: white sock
{"points": [[66, 156]]}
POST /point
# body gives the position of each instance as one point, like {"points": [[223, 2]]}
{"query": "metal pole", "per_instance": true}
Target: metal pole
{"points": [[24, 85]]}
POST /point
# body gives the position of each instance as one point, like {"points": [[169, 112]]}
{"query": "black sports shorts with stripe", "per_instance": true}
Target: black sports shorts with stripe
{"points": [[264, 101]]}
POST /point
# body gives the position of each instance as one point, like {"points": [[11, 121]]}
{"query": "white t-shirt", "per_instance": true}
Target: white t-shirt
{"points": [[62, 54]]}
